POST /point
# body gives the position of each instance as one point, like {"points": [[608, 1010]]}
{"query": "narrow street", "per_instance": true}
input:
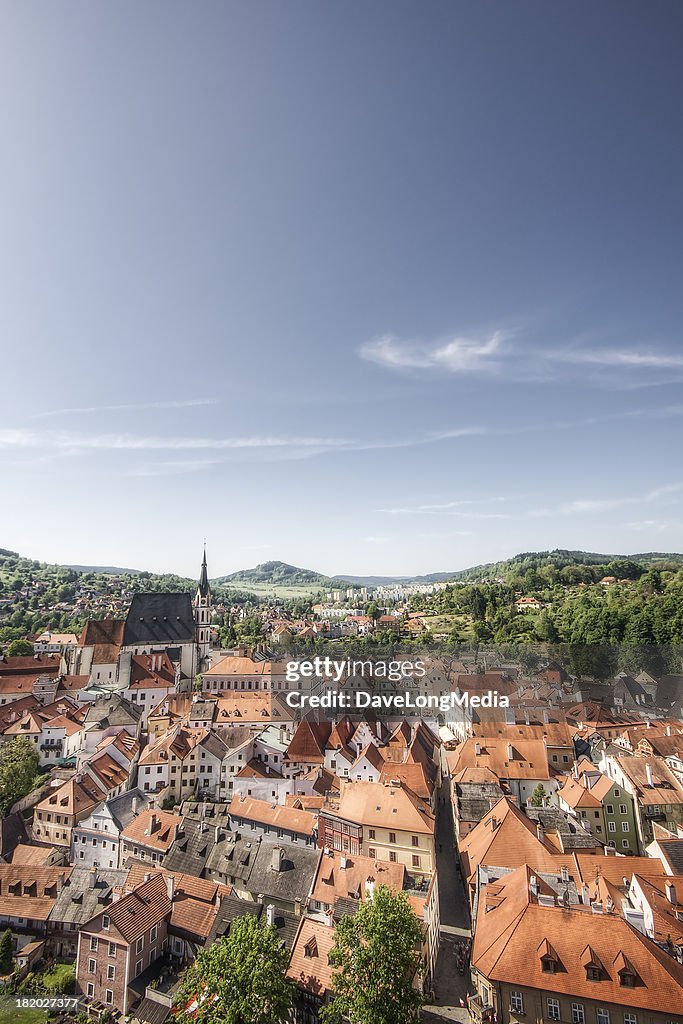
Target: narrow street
{"points": [[449, 985]]}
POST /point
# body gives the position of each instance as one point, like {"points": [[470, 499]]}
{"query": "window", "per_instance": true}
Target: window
{"points": [[602, 1016], [112, 949], [416, 841], [372, 852], [611, 826], [610, 808], [627, 979], [624, 843], [416, 860], [578, 1014], [138, 968], [92, 966], [111, 972], [593, 973], [153, 934], [624, 826], [622, 808], [139, 944], [617, 792], [105, 920], [547, 965], [553, 1009], [392, 857], [93, 945], [91, 989], [630, 1018], [371, 833], [392, 837], [516, 1002], [110, 997]]}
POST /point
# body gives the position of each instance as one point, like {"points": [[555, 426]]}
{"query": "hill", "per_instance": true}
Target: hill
{"points": [[277, 577]]}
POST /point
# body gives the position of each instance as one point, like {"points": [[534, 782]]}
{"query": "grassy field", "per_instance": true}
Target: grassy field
{"points": [[446, 623], [281, 592], [12, 1014]]}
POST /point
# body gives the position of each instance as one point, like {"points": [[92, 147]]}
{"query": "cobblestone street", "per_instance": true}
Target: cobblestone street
{"points": [[449, 985]]}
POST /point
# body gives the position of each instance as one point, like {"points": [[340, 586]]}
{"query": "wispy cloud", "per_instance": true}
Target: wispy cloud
{"points": [[456, 355], [503, 352], [187, 403], [613, 357], [610, 503]]}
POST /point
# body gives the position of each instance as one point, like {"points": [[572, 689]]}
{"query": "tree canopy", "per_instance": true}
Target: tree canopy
{"points": [[239, 979], [18, 766], [376, 959]]}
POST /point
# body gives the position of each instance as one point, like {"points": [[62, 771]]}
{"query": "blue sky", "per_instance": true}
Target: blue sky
{"points": [[387, 287]]}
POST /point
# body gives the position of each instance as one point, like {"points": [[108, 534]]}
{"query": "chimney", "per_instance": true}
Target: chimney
{"points": [[584, 895], [343, 863], [477, 749], [217, 834], [170, 886], [92, 878], [134, 805], [668, 730], [546, 716], [526, 716], [147, 876], [648, 772], [270, 915], [539, 832], [511, 753], [277, 858], [671, 893]]}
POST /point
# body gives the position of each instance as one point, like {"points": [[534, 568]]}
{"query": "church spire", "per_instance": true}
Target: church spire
{"points": [[204, 578]]}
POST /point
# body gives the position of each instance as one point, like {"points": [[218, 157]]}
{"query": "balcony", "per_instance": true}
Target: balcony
{"points": [[480, 1013]]}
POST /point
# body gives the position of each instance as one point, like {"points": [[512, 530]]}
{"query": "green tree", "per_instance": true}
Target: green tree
{"points": [[6, 961], [18, 767], [20, 647], [240, 979], [538, 796], [376, 958]]}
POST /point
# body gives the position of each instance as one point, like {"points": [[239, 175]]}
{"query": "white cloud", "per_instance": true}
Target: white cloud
{"points": [[496, 353], [620, 358], [456, 355], [188, 403]]}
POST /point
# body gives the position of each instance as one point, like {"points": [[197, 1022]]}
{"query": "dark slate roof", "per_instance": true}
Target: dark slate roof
{"points": [[233, 856], [554, 819], [673, 850], [294, 880], [112, 710], [191, 848], [85, 893], [12, 833], [231, 908], [159, 619], [121, 807], [474, 799], [345, 906], [206, 810], [152, 1011]]}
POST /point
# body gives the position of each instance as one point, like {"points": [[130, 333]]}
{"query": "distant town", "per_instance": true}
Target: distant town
{"points": [[512, 842]]}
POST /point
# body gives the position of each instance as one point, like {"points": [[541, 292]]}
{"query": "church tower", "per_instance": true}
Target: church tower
{"points": [[202, 615]]}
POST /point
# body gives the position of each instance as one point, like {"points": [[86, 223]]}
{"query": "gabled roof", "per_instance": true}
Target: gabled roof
{"points": [[136, 913], [515, 931], [159, 619], [260, 812], [383, 805], [308, 742]]}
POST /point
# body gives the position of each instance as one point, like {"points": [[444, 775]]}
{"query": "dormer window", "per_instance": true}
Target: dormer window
{"points": [[627, 979], [548, 964]]}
